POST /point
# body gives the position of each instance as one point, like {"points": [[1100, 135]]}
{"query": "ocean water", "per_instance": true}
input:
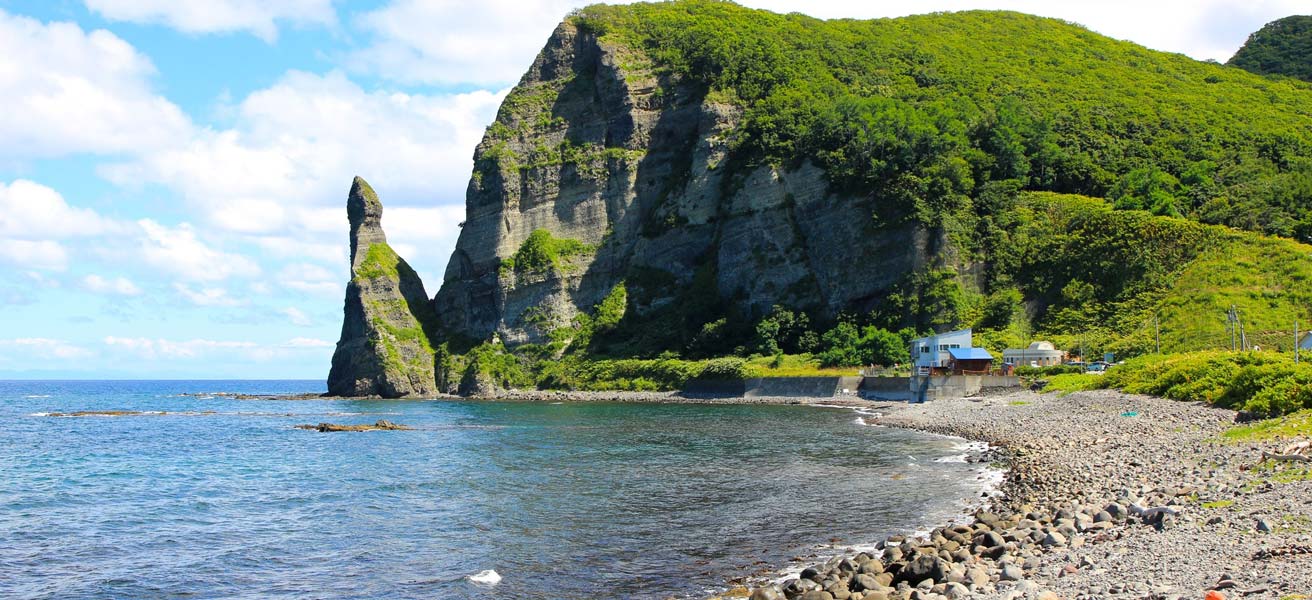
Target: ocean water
{"points": [[223, 498]]}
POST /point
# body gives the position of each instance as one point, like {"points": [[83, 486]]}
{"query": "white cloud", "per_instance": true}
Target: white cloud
{"points": [[258, 17], [46, 348], [68, 91], [312, 279], [179, 251], [29, 210], [41, 254], [281, 174], [211, 296], [450, 41], [1202, 29], [283, 246], [118, 286], [296, 316], [161, 348], [302, 342], [493, 42], [298, 143]]}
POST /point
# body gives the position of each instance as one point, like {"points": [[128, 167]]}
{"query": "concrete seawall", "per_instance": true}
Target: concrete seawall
{"points": [[874, 388], [778, 387]]}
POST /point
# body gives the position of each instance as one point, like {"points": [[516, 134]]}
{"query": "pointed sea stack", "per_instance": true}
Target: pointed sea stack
{"points": [[385, 348]]}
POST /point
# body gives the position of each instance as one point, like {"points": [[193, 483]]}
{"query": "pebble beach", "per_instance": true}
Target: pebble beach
{"points": [[1107, 495]]}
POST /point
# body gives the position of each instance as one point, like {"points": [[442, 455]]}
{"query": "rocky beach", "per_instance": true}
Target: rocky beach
{"points": [[1108, 495]]}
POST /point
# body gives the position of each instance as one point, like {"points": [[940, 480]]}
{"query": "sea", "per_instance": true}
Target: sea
{"points": [[196, 493]]}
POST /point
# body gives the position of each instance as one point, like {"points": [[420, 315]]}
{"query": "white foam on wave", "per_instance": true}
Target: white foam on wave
{"points": [[956, 458], [37, 396], [488, 577], [41, 414]]}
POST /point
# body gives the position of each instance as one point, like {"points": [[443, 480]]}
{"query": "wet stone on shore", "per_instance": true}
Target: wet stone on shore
{"points": [[1097, 504]]}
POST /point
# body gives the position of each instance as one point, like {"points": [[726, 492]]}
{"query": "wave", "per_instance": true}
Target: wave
{"points": [[488, 577], [37, 396]]}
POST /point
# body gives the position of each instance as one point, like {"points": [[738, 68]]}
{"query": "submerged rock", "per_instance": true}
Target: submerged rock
{"points": [[381, 425], [385, 348]]}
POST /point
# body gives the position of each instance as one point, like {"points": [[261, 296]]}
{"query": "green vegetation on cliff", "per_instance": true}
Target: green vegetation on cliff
{"points": [[924, 111], [1281, 47], [542, 251], [1070, 187]]}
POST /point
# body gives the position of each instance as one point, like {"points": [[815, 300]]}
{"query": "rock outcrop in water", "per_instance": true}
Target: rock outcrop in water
{"points": [[385, 347]]}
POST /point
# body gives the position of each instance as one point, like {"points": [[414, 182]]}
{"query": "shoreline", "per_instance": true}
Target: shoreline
{"points": [[1106, 495]]}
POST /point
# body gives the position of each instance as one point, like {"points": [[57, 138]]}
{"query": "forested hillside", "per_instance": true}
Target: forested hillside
{"points": [[925, 111], [694, 180], [1282, 47]]}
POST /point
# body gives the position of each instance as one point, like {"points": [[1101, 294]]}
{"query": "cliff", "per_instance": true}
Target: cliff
{"points": [[624, 165], [706, 162], [698, 179], [385, 348]]}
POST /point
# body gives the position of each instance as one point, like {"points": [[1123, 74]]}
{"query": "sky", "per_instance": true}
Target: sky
{"points": [[173, 175]]}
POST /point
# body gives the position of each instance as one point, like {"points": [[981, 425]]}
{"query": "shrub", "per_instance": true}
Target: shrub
{"points": [[724, 369]]}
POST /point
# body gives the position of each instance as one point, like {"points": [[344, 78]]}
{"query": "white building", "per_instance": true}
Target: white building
{"points": [[1039, 354], [933, 351]]}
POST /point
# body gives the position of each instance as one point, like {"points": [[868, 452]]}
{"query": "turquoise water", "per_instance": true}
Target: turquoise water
{"points": [[224, 498]]}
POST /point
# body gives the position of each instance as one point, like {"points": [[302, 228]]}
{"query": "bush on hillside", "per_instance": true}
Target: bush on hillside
{"points": [[1264, 383]]}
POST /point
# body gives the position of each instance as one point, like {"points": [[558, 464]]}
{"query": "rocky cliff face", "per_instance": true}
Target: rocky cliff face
{"points": [[385, 347], [628, 172]]}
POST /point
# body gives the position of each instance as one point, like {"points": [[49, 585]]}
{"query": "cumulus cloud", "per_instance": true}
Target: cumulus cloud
{"points": [[312, 279], [1203, 29], [258, 17], [447, 41], [178, 250], [207, 296], [67, 91], [302, 342], [29, 210], [297, 144], [450, 41], [296, 316], [118, 286], [45, 348], [38, 254], [161, 348]]}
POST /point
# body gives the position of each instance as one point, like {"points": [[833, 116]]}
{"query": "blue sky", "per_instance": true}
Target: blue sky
{"points": [[173, 174]]}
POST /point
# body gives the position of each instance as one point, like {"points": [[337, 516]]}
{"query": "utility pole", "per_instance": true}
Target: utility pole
{"points": [[1230, 319], [1243, 339]]}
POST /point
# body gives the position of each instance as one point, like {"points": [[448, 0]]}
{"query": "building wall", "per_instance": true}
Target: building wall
{"points": [[938, 344], [1023, 357]]}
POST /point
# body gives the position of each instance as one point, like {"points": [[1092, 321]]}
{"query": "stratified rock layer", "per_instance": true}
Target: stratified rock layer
{"points": [[592, 146], [385, 347]]}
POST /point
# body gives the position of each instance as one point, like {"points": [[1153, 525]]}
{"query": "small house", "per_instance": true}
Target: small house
{"points": [[971, 361], [1038, 354], [952, 351]]}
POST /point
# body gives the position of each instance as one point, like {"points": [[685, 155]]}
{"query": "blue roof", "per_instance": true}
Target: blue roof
{"points": [[970, 354]]}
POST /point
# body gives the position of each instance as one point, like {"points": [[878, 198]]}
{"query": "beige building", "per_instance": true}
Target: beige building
{"points": [[1039, 354]]}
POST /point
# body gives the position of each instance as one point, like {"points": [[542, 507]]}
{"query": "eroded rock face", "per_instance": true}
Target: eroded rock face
{"points": [[385, 347], [592, 146]]}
